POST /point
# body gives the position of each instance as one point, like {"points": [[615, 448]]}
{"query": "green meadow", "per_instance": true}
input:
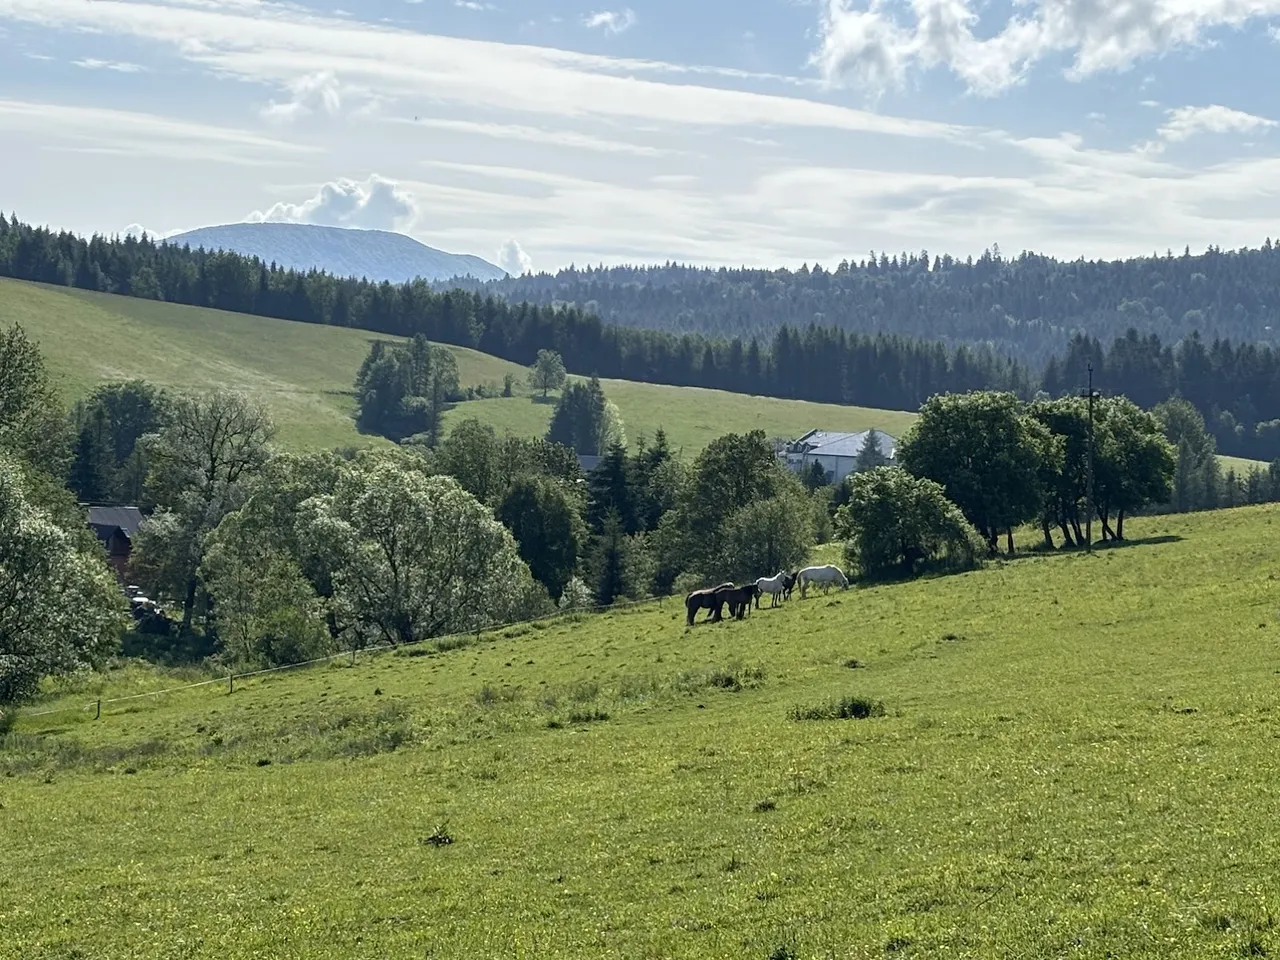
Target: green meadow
{"points": [[1076, 756], [304, 372]]}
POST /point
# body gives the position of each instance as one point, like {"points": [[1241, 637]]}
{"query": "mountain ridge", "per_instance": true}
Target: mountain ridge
{"points": [[375, 255]]}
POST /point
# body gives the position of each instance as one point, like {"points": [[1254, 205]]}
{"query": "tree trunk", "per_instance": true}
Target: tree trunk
{"points": [[1107, 534], [1009, 540], [1075, 525], [1048, 534], [1067, 539], [189, 605], [1120, 525]]}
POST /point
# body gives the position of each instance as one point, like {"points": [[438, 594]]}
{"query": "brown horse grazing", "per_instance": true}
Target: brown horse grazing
{"points": [[738, 598], [705, 600]]}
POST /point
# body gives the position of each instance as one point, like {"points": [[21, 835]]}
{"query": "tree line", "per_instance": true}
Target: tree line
{"points": [[811, 362], [1027, 307], [1015, 325]]}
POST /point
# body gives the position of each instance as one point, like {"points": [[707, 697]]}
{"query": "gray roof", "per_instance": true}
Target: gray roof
{"points": [[589, 461], [128, 519], [826, 444]]}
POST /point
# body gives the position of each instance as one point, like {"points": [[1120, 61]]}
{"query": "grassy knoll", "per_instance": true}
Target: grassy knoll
{"points": [[691, 416], [1077, 757], [1241, 466], [304, 371]]}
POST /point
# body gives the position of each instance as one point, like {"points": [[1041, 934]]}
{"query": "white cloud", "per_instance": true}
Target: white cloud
{"points": [[561, 138], [375, 203], [611, 22], [277, 44], [1186, 122], [469, 5], [116, 65], [872, 47], [145, 134], [308, 93], [513, 259]]}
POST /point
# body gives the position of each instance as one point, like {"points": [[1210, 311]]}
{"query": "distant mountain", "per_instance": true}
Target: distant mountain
{"points": [[376, 255]]}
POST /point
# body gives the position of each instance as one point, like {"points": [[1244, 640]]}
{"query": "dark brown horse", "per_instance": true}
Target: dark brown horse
{"points": [[705, 600], [738, 599]]}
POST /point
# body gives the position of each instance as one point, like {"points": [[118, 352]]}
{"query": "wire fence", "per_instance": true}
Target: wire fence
{"points": [[441, 642]]}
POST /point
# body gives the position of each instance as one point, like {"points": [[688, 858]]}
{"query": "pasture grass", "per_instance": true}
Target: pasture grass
{"points": [[304, 373], [1055, 755]]}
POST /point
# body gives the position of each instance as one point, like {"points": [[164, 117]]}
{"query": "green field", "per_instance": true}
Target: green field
{"points": [[305, 372], [1078, 757]]}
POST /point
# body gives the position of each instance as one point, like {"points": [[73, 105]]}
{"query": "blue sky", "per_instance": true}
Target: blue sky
{"points": [[543, 132]]}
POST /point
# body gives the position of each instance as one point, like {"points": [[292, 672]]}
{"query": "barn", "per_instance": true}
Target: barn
{"points": [[116, 528], [836, 453]]}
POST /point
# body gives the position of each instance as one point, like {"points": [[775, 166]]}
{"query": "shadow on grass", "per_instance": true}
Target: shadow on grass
{"points": [[544, 401], [938, 570], [1042, 550]]}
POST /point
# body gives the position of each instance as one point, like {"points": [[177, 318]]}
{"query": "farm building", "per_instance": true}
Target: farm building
{"points": [[836, 453], [116, 527]]}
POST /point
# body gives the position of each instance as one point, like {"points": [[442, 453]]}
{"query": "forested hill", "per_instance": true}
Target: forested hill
{"points": [[1027, 308], [1234, 382]]}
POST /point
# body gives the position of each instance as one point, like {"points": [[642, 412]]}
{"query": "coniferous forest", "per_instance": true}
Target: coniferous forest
{"points": [[885, 332]]}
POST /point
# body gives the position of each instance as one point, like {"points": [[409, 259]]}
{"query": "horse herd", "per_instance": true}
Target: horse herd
{"points": [[740, 598]]}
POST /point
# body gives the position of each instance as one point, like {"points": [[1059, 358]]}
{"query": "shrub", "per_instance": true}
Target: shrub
{"points": [[896, 524], [846, 708]]}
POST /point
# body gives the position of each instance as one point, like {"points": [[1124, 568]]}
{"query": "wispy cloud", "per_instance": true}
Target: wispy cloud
{"points": [[569, 139], [611, 22], [116, 65], [144, 133], [280, 45]]}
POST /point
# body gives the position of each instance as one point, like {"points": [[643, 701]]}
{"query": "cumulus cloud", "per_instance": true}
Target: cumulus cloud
{"points": [[1186, 122], [376, 203], [314, 91], [875, 48], [513, 259], [611, 22]]}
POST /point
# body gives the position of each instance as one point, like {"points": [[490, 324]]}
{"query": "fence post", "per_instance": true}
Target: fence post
{"points": [[231, 683], [98, 715]]}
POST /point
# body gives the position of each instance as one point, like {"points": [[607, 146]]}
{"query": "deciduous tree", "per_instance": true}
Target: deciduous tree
{"points": [[547, 372], [61, 609], [896, 523]]}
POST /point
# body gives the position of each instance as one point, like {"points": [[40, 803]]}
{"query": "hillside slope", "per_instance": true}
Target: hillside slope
{"points": [[373, 254], [305, 372], [1077, 757]]}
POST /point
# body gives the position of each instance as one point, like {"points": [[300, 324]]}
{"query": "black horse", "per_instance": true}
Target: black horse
{"points": [[738, 600], [788, 584], [705, 600]]}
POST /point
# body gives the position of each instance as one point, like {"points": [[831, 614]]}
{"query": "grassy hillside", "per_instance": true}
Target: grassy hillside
{"points": [[1077, 757], [305, 371]]}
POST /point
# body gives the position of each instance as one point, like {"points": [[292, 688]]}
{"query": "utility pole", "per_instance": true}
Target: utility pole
{"points": [[1088, 492]]}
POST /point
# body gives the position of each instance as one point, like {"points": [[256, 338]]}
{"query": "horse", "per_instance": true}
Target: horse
{"points": [[775, 586], [788, 585], [704, 599], [738, 598], [824, 575]]}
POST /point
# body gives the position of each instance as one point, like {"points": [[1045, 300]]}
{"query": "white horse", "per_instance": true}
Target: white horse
{"points": [[774, 586], [824, 575]]}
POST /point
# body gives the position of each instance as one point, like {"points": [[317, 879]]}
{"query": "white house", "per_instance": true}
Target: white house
{"points": [[837, 453]]}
